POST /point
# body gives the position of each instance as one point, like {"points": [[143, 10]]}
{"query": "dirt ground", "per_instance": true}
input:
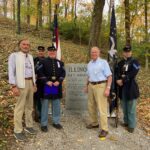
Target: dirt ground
{"points": [[75, 136]]}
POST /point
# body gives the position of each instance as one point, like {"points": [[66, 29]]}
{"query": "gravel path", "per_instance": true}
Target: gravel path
{"points": [[75, 136]]}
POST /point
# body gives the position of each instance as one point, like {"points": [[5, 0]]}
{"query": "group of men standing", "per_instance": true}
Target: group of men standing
{"points": [[42, 79], [99, 86]]}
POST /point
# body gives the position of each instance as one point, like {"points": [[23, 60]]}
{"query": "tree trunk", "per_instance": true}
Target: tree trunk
{"points": [[110, 3], [40, 13], [96, 23], [14, 10], [72, 9], [146, 36], [127, 22], [66, 8], [28, 15], [37, 16], [18, 16], [75, 10], [146, 23], [5, 7], [50, 13]]}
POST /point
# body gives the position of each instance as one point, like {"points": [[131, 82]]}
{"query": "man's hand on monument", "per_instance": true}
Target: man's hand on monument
{"points": [[49, 83], [56, 83]]}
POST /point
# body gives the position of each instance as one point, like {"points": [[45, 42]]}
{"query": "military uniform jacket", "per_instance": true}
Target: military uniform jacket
{"points": [[39, 83], [50, 68], [37, 61], [127, 71]]}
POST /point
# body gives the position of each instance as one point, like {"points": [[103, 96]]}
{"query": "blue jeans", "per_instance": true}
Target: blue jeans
{"points": [[55, 111], [129, 112]]}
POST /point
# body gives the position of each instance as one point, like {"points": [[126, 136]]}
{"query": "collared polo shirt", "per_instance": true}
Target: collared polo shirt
{"points": [[98, 70], [28, 67]]}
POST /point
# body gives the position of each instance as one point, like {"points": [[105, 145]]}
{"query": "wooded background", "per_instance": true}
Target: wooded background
{"points": [[82, 24], [86, 22]]}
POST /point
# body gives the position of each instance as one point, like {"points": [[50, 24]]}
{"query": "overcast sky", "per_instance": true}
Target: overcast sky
{"points": [[106, 4]]}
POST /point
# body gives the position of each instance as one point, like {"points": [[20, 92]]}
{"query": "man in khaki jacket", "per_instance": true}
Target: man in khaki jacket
{"points": [[22, 81]]}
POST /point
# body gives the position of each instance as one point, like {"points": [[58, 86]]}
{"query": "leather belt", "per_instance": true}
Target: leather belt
{"points": [[41, 78], [99, 82], [29, 78]]}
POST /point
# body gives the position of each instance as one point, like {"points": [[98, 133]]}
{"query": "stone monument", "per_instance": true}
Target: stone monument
{"points": [[76, 78]]}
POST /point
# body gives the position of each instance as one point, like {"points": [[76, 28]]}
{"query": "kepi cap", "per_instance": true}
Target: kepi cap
{"points": [[127, 48], [41, 48], [51, 48]]}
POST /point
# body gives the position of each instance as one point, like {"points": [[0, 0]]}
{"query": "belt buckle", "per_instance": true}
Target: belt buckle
{"points": [[53, 78]]}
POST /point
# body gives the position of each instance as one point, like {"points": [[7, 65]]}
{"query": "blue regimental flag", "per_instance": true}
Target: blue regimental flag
{"points": [[113, 34], [112, 59]]}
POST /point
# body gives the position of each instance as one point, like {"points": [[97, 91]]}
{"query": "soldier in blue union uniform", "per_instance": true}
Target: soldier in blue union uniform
{"points": [[38, 95], [52, 72], [128, 68]]}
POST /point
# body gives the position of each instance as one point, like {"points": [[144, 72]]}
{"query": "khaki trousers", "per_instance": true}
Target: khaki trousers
{"points": [[23, 105], [97, 102]]}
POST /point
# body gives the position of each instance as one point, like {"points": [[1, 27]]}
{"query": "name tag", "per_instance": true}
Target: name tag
{"points": [[126, 67], [58, 64]]}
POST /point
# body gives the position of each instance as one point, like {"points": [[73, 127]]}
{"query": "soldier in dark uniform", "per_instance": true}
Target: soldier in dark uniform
{"points": [[39, 94], [52, 73], [128, 88]]}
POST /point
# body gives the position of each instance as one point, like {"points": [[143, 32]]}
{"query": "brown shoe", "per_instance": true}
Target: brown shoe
{"points": [[90, 126], [124, 125], [103, 133]]}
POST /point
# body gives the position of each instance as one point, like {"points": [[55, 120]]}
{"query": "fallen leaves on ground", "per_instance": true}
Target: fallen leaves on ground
{"points": [[143, 110], [143, 107], [71, 53]]}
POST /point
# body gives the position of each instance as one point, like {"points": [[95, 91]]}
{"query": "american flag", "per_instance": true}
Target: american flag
{"points": [[55, 39]]}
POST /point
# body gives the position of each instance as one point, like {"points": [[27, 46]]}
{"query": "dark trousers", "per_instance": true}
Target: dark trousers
{"points": [[37, 100], [37, 107]]}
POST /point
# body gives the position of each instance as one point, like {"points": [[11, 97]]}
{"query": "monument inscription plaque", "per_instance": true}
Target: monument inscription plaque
{"points": [[76, 79]]}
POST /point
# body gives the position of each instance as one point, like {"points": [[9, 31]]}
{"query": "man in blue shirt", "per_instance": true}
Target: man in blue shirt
{"points": [[98, 87]]}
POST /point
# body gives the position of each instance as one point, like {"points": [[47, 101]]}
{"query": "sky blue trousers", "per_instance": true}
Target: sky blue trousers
{"points": [[55, 111], [129, 112]]}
